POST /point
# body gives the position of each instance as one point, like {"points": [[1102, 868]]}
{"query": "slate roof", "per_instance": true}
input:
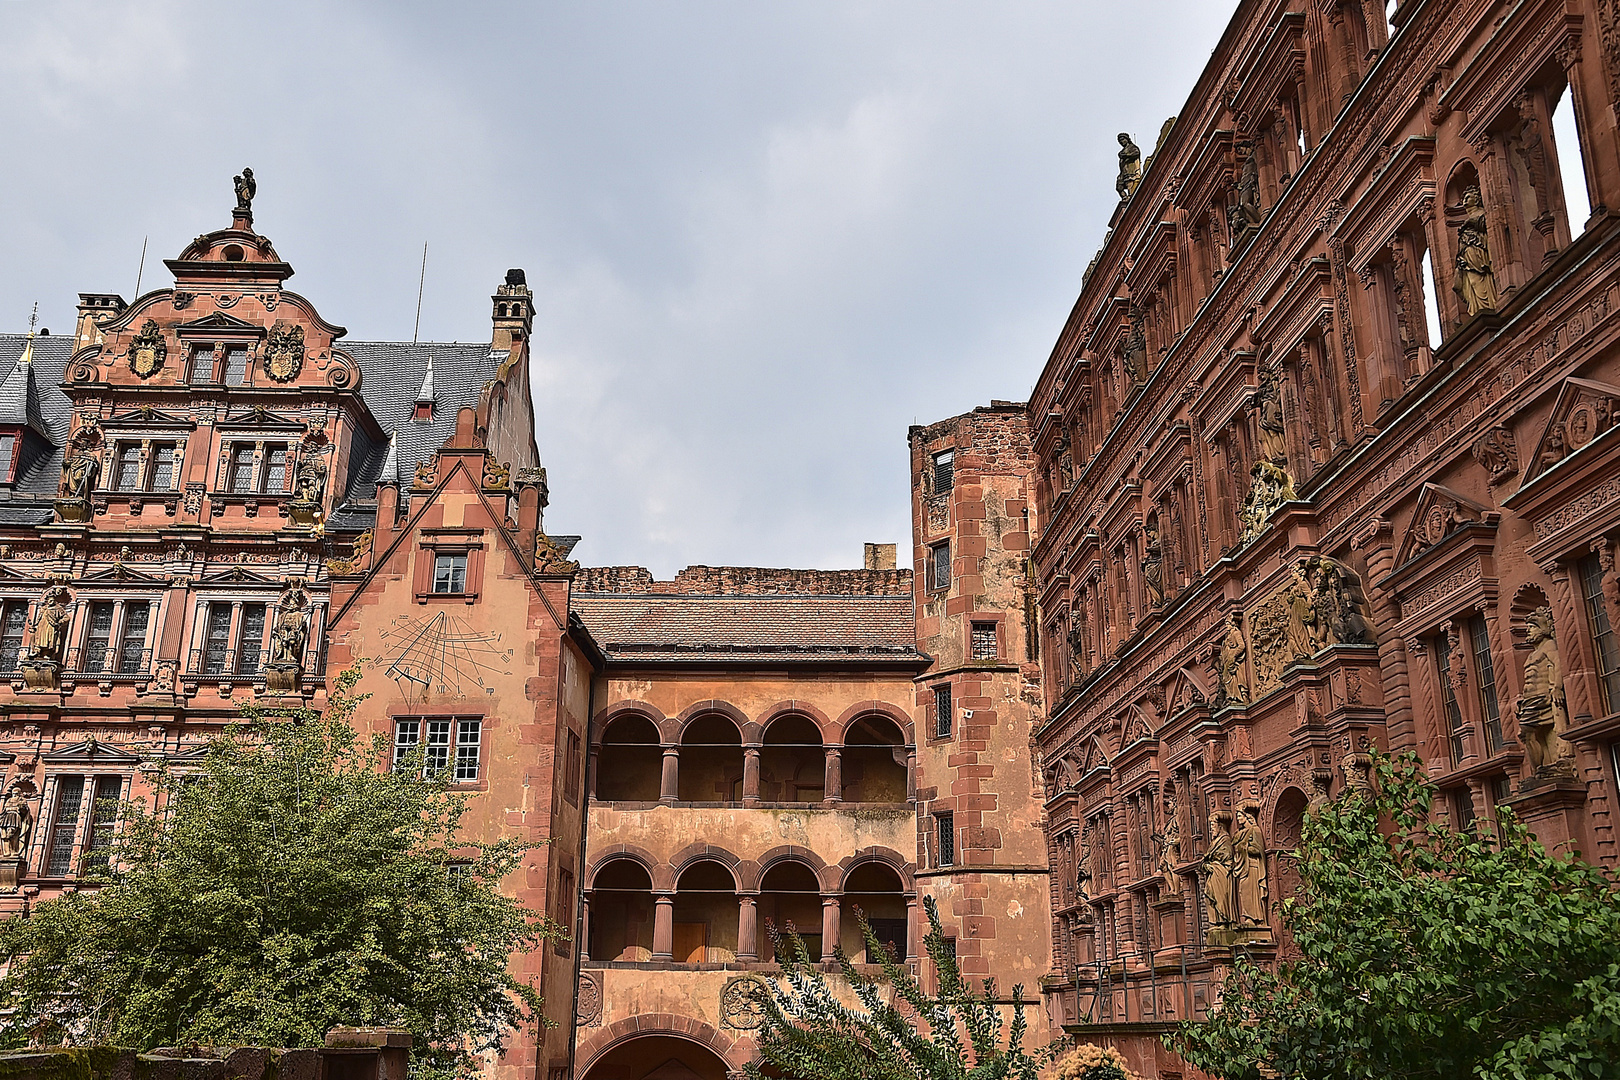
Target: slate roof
{"points": [[50, 411], [644, 627]]}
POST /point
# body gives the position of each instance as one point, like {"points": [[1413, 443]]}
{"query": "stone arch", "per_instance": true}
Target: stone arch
{"points": [[783, 708], [710, 707], [619, 709], [901, 718], [701, 852], [829, 878], [596, 1045], [887, 856], [657, 870]]}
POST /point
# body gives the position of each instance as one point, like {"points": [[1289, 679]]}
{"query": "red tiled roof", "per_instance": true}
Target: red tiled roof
{"points": [[663, 627]]}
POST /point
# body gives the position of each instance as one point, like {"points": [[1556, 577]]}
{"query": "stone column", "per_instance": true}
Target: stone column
{"points": [[750, 788], [747, 927], [663, 945], [669, 787], [831, 924], [1574, 649], [835, 776], [1377, 541], [913, 931], [585, 927], [911, 774]]}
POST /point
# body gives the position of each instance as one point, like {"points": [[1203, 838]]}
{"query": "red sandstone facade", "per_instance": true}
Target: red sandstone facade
{"points": [[1326, 458]]}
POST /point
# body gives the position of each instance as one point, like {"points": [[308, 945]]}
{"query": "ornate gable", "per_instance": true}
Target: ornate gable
{"points": [[1440, 512], [148, 415], [219, 322], [239, 576], [1585, 411], [91, 752]]}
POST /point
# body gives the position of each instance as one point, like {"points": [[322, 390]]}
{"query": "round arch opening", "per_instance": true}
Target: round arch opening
{"points": [[621, 912], [658, 1057], [629, 761], [874, 761], [793, 761], [711, 761]]}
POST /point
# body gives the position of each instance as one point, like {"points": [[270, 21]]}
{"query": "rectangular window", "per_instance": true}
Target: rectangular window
{"points": [[565, 912], [1462, 808], [944, 471], [407, 734], [1485, 676], [1448, 698], [250, 640], [985, 645], [127, 467], [944, 712], [64, 826], [217, 639], [1501, 789], [1604, 645], [8, 451], [275, 469], [98, 638], [945, 839], [450, 573], [939, 566], [572, 778], [437, 759], [132, 643], [162, 467], [103, 822], [13, 618], [241, 478], [202, 364], [236, 365], [468, 733]]}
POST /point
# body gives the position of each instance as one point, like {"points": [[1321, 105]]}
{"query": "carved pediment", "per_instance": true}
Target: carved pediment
{"points": [[259, 416], [1585, 410], [1136, 728], [148, 415], [237, 575], [91, 752], [219, 321], [1440, 512], [120, 573], [1096, 757]]}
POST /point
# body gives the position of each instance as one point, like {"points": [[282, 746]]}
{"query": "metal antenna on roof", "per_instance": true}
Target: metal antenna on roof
{"points": [[419, 283], [142, 271]]}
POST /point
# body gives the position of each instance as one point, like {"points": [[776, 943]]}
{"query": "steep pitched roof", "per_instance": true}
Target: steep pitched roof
{"points": [[35, 398]]}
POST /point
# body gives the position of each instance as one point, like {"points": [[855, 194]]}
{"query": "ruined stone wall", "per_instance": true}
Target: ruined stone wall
{"points": [[744, 581]]}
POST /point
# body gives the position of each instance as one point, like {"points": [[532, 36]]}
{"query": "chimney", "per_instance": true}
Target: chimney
{"points": [[513, 312], [530, 495], [880, 556], [95, 311]]}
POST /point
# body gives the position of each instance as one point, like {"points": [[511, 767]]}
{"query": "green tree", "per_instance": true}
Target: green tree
{"points": [[281, 886], [809, 1031], [1427, 952]]}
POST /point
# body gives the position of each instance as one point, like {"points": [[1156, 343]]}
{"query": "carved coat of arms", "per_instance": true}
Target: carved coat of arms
{"points": [[284, 352], [147, 351]]}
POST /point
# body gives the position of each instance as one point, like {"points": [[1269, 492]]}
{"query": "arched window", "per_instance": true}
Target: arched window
{"points": [[793, 763], [705, 915], [629, 761], [790, 895], [711, 761], [875, 889], [621, 912], [874, 761]]}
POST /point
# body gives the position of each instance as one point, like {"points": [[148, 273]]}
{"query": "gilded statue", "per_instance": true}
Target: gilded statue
{"points": [[1543, 714], [50, 627], [1233, 651], [1153, 563], [1218, 867], [16, 819], [1130, 167], [1250, 889], [246, 188], [1476, 282]]}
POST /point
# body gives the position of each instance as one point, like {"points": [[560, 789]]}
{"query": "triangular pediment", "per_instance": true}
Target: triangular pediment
{"points": [[1440, 512], [1136, 728], [121, 573], [91, 752], [219, 320], [149, 415], [8, 576], [261, 417], [238, 575], [1585, 410], [187, 756]]}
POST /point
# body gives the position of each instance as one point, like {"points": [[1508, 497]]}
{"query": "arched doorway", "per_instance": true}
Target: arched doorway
{"points": [[874, 761], [875, 888], [621, 912], [789, 894], [711, 761], [629, 761], [658, 1057], [793, 763]]}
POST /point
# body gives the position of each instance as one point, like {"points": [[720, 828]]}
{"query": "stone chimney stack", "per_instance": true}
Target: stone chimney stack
{"points": [[95, 310], [880, 556], [513, 312]]}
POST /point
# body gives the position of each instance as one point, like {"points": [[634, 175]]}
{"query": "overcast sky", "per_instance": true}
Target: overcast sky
{"points": [[764, 237]]}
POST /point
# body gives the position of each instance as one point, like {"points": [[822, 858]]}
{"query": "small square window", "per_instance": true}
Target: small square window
{"points": [[944, 712], [450, 573], [939, 566], [984, 643]]}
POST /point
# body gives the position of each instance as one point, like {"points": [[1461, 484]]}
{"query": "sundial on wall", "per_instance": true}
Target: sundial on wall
{"points": [[441, 654]]}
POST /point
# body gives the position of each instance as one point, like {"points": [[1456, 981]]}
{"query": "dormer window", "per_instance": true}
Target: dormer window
{"points": [[8, 458], [424, 412]]}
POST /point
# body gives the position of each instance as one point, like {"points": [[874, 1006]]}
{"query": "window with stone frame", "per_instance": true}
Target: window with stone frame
{"points": [[80, 837], [985, 645], [449, 566], [1490, 711], [127, 467], [939, 566], [944, 471], [944, 712], [563, 913], [574, 768], [1605, 647], [232, 639], [1451, 712], [450, 746], [944, 839], [13, 621]]}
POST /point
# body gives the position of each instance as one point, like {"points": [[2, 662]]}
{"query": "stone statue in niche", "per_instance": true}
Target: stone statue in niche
{"points": [[1219, 860], [284, 669], [1133, 347], [1233, 651], [1065, 463], [1082, 868], [246, 188], [1170, 846], [1243, 212], [42, 663], [16, 819], [1130, 167], [81, 470], [1269, 487], [1542, 712], [1339, 605], [1153, 563], [1250, 888], [1476, 282], [1269, 419], [309, 486]]}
